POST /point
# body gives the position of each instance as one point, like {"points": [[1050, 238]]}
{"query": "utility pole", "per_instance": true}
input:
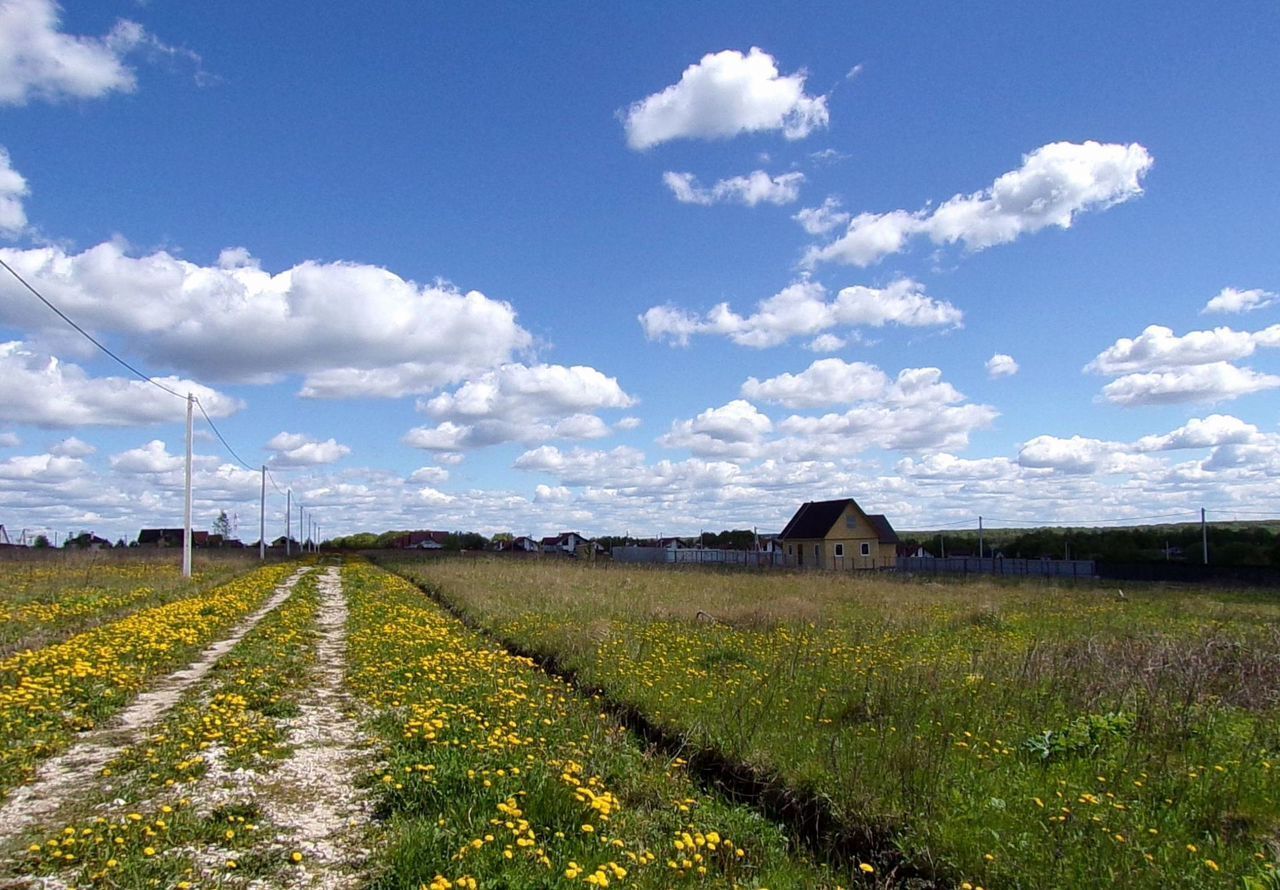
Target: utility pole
{"points": [[288, 519], [1204, 536], [186, 523], [979, 537], [262, 518]]}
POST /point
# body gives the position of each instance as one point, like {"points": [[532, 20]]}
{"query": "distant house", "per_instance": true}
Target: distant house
{"points": [[522, 544], [160, 537], [915, 552], [768, 544], [88, 541], [570, 544], [838, 536], [422, 541]]}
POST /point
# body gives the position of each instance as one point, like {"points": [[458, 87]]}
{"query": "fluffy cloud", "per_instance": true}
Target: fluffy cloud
{"points": [[9, 440], [1212, 382], [1083, 455], [40, 469], [916, 411], [37, 60], [823, 219], [826, 382], [732, 430], [235, 321], [1231, 300], [298, 450], [913, 427], [13, 188], [802, 310], [153, 457], [1157, 348], [1001, 365], [725, 94], [1207, 432], [579, 466], [826, 343], [755, 188], [73, 447], [433, 475], [519, 403], [43, 391], [1055, 183]]}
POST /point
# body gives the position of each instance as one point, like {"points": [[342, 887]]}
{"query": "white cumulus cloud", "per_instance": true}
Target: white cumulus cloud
{"points": [[354, 330], [757, 187], [724, 94], [826, 382], [822, 219], [520, 403], [298, 450], [13, 188], [1159, 348], [1001, 365], [1213, 382], [39, 61], [1231, 300], [41, 390], [804, 310], [153, 457], [1055, 183]]}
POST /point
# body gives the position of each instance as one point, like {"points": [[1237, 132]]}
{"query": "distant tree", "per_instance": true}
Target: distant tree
{"points": [[502, 537], [120, 543], [41, 542], [222, 525]]}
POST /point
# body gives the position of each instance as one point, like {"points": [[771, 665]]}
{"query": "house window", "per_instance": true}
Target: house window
{"points": [[816, 551], [790, 550], [839, 551], [851, 522], [866, 549]]}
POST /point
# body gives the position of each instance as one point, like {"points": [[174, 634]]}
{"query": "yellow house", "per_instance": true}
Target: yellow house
{"points": [[838, 536]]}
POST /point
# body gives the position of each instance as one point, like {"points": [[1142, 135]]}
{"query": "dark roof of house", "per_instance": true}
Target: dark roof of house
{"points": [[884, 531], [152, 535], [814, 519]]}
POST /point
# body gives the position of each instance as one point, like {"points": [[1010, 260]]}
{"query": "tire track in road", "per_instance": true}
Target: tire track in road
{"points": [[61, 778], [311, 796]]}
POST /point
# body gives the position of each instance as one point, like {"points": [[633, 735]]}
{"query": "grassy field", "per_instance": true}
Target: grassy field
{"points": [[996, 735], [50, 694], [152, 825], [47, 599], [497, 775]]}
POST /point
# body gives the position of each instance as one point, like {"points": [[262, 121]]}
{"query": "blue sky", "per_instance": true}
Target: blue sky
{"points": [[641, 269]]}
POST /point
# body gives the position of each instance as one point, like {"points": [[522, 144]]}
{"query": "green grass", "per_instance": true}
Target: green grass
{"points": [[48, 695], [1008, 735], [148, 822], [498, 774], [46, 599]]}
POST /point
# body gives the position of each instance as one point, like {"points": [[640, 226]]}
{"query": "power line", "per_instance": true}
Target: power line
{"points": [[41, 297], [218, 433]]}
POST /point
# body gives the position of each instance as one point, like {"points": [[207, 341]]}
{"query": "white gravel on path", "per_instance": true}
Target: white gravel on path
{"points": [[312, 796]]}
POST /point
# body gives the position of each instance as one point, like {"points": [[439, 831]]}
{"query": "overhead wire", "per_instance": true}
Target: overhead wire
{"points": [[221, 438], [41, 297], [133, 370]]}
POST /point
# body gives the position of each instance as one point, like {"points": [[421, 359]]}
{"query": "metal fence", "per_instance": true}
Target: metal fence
{"points": [[696, 556], [972, 565]]}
